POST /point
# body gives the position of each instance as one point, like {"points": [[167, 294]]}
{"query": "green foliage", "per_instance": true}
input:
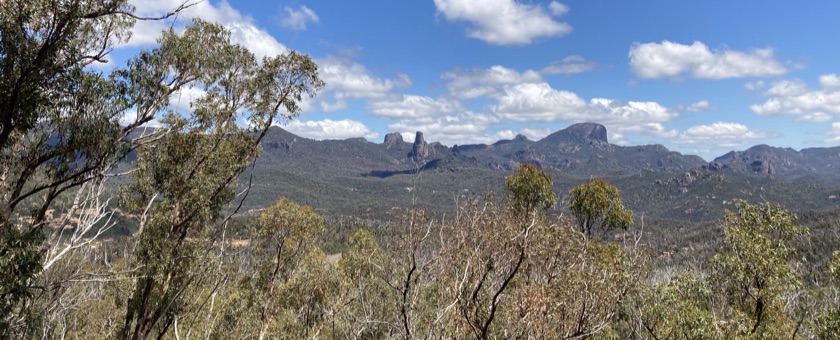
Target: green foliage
{"points": [[185, 178], [529, 189], [827, 321], [751, 290], [757, 270], [683, 308], [598, 202], [20, 262]]}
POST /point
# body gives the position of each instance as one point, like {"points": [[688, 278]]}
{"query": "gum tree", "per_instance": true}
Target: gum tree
{"points": [[185, 179], [598, 202]]}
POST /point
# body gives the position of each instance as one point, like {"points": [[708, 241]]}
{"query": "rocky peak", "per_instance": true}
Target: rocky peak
{"points": [[420, 150], [591, 133], [520, 138], [393, 140]]}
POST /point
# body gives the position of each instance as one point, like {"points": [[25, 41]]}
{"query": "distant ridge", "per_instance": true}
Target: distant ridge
{"points": [[358, 178]]}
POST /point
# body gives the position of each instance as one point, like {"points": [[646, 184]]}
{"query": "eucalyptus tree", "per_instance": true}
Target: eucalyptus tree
{"points": [[59, 130], [758, 270], [64, 127], [529, 189], [188, 175], [598, 202]]}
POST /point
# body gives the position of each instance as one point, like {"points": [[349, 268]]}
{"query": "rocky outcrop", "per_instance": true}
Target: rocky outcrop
{"points": [[587, 133], [764, 167], [393, 140], [521, 138], [420, 150]]}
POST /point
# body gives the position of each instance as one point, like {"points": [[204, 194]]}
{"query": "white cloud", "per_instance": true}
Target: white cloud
{"points": [[722, 134], [409, 136], [413, 106], [557, 8], [569, 65], [794, 98], [538, 102], [243, 29], [649, 129], [616, 138], [475, 83], [464, 128], [536, 133], [333, 107], [669, 59], [297, 19], [505, 134], [754, 85], [835, 132], [817, 117], [505, 22], [347, 79], [330, 129], [699, 106], [615, 112], [130, 116], [830, 81], [531, 133], [182, 100]]}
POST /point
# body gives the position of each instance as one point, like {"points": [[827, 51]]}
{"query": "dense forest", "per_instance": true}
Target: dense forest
{"points": [[110, 229]]}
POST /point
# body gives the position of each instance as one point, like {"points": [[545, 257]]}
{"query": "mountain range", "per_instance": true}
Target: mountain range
{"points": [[355, 177]]}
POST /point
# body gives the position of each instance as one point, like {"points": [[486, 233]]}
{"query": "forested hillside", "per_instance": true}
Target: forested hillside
{"points": [[112, 229]]}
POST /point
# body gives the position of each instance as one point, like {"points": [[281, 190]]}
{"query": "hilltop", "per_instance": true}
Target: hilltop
{"points": [[364, 179]]}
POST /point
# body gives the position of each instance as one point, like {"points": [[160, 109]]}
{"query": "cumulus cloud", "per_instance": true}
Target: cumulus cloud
{"points": [[130, 117], [540, 102], [698, 106], [611, 111], [243, 29], [338, 105], [296, 19], [830, 81], [475, 82], [330, 129], [506, 22], [347, 79], [460, 128], [649, 129], [835, 133], [413, 106], [409, 136], [531, 133], [754, 85], [669, 59], [569, 65], [182, 100], [722, 134], [794, 98]]}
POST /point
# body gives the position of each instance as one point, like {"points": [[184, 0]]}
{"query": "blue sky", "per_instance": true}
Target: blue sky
{"points": [[700, 77]]}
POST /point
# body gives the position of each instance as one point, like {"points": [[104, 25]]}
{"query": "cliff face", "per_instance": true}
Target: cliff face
{"points": [[393, 140], [420, 150], [581, 132]]}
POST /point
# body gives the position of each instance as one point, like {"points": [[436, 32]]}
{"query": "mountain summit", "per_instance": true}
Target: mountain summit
{"points": [[581, 132]]}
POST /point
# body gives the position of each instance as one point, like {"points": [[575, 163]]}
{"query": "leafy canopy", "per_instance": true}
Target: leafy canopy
{"points": [[598, 202], [530, 189]]}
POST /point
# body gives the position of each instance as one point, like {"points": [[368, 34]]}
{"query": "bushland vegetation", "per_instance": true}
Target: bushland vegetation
{"points": [[499, 267]]}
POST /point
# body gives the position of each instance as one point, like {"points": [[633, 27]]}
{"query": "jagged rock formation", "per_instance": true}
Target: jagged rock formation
{"points": [[764, 167], [420, 150], [768, 160], [393, 140], [590, 133]]}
